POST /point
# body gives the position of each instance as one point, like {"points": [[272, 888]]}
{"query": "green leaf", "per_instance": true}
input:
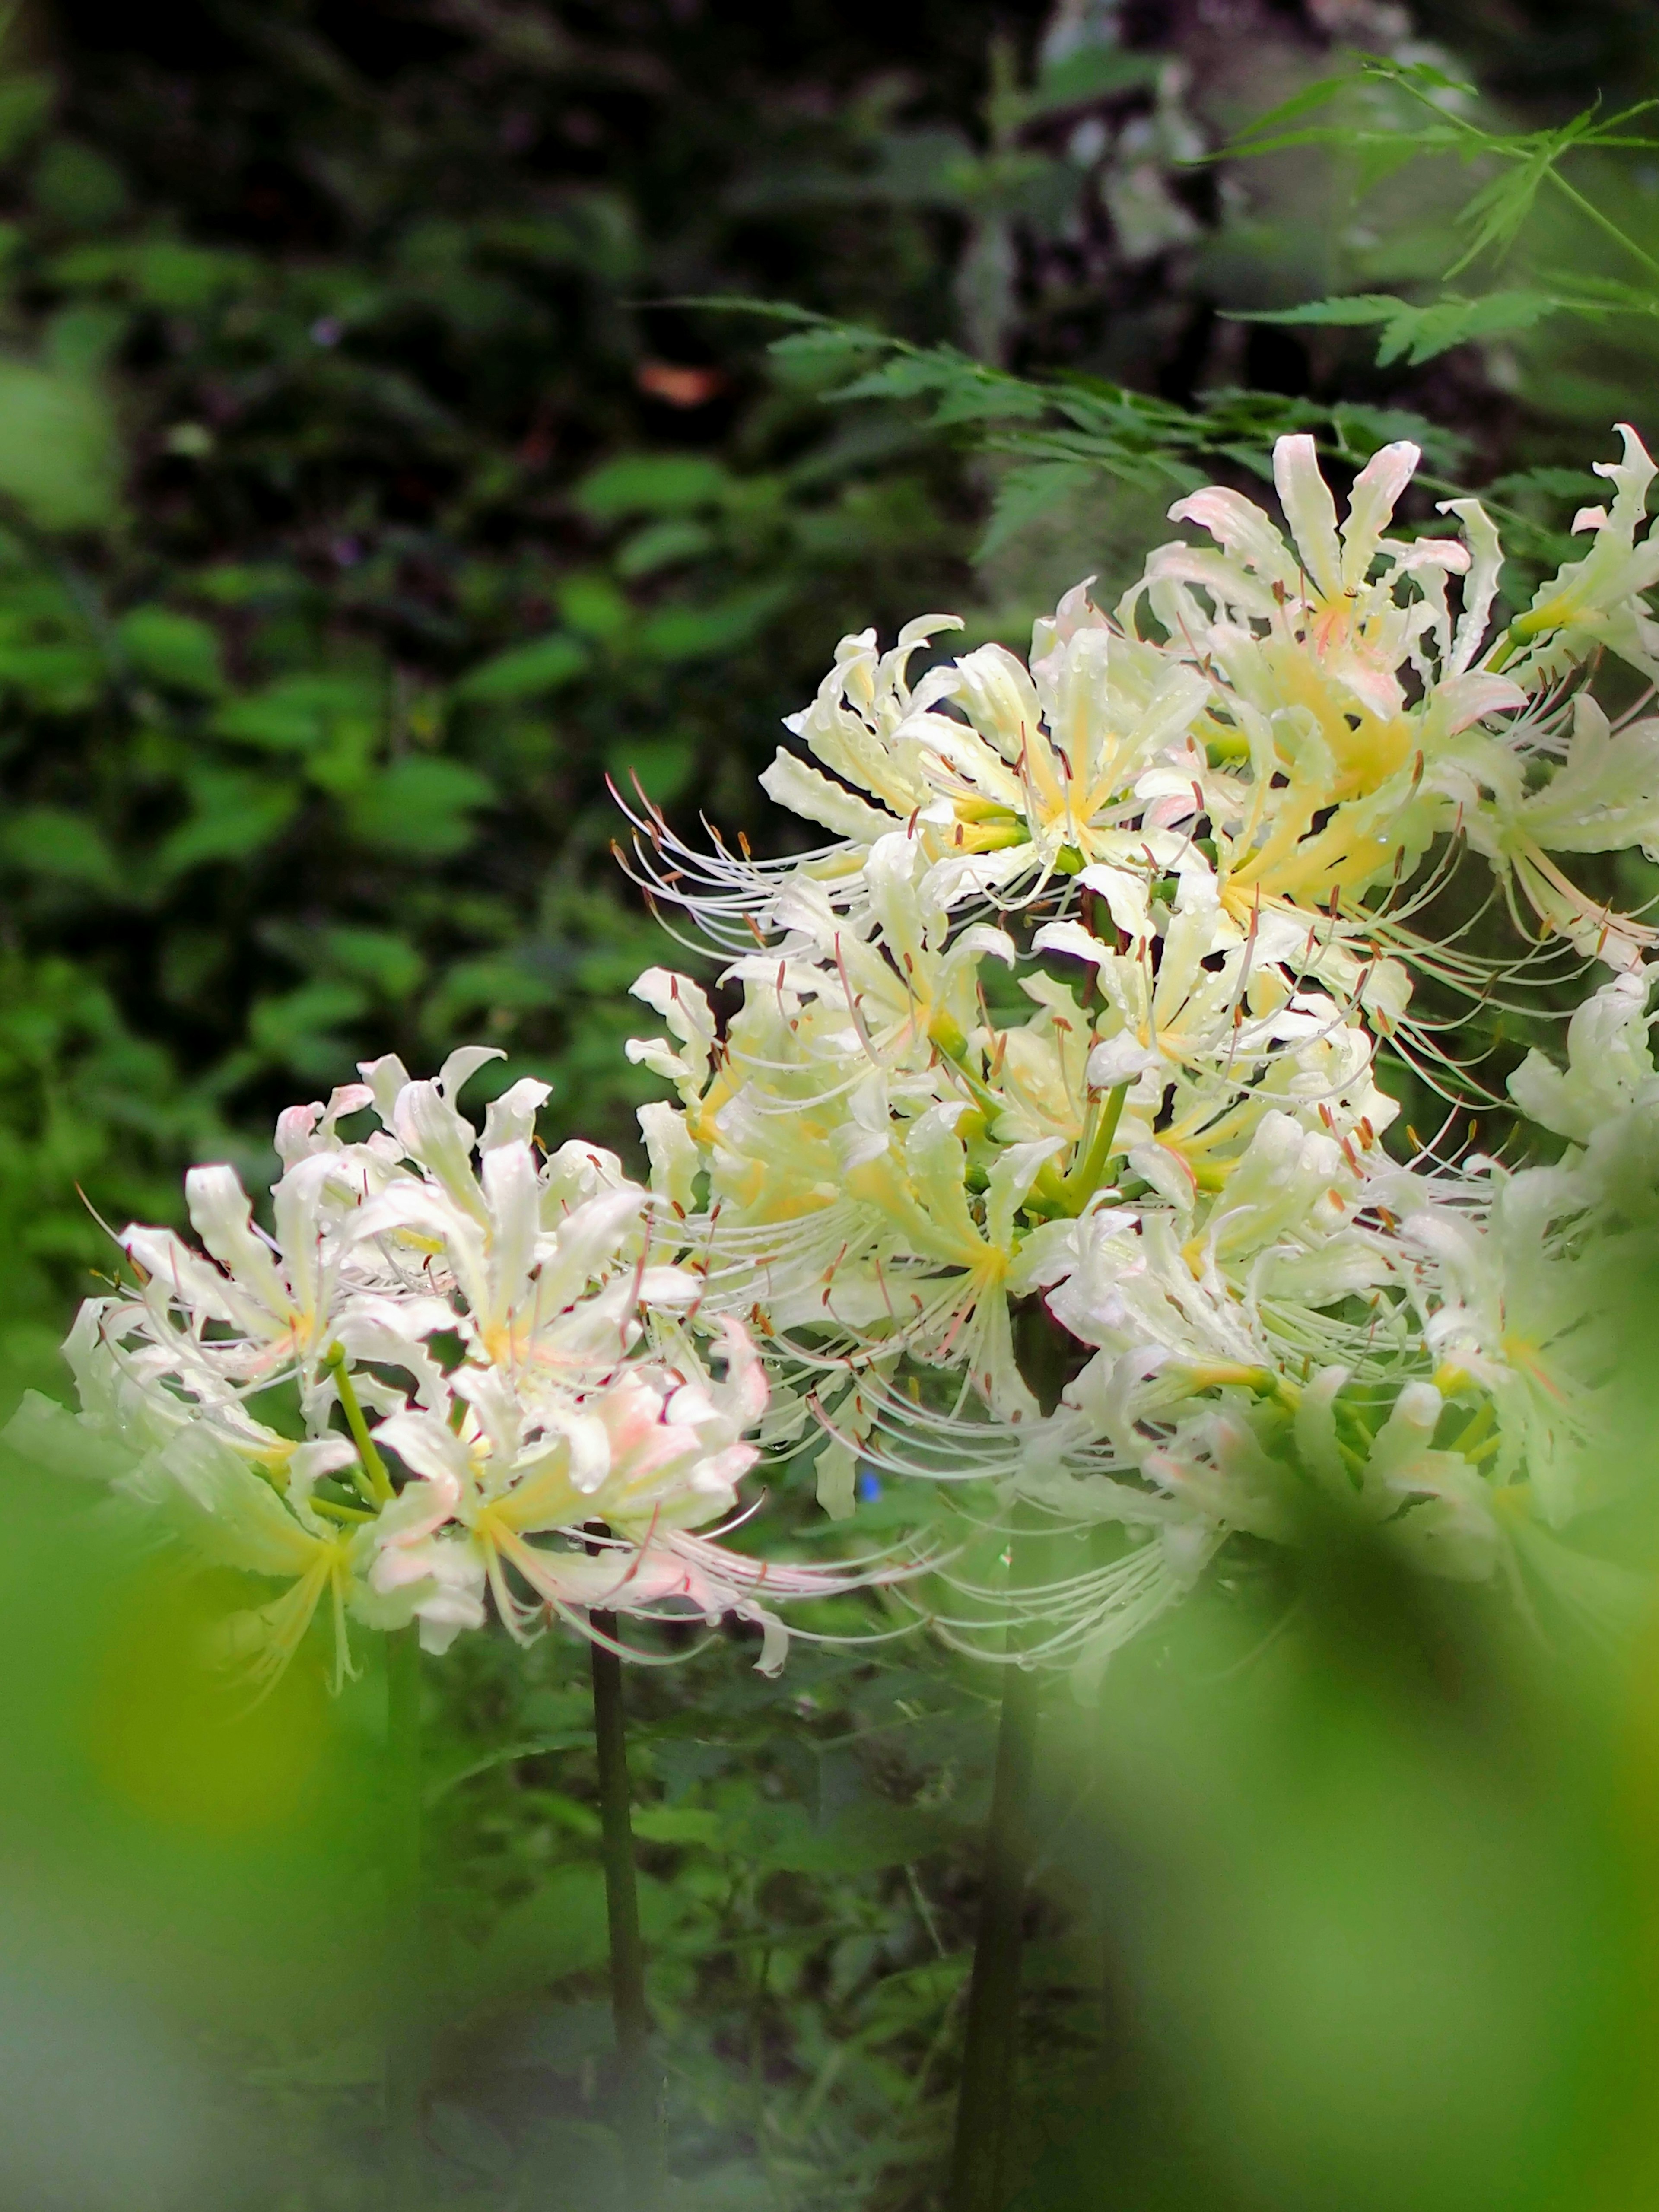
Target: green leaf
{"points": [[80, 340], [59, 679], [173, 649], [677, 1824], [1423, 332], [1353, 310], [1029, 492], [419, 807], [241, 583], [1272, 125], [1089, 73], [650, 483], [177, 277], [524, 671], [561, 1929], [1418, 334], [235, 813], [59, 460], [296, 1029], [663, 766], [1555, 483], [25, 103], [300, 714], [491, 984], [702, 633], [77, 187], [868, 1836], [593, 606], [463, 1764], [51, 841], [661, 545], [379, 957]]}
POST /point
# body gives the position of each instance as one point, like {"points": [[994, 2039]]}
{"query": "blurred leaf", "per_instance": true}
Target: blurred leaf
{"points": [[700, 633], [51, 841], [1417, 334], [58, 457], [677, 1824], [168, 274], [660, 545], [173, 649], [234, 813], [664, 766], [866, 1835], [379, 957], [488, 985], [25, 103], [469, 2139], [463, 1763], [576, 2163], [650, 483], [1025, 493], [526, 672], [80, 342], [420, 809], [297, 1029], [1089, 73], [562, 1929], [300, 713], [594, 607], [78, 187], [59, 679]]}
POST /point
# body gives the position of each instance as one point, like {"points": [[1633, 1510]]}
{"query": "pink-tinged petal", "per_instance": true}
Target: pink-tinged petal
{"points": [[1371, 503], [294, 1126], [1463, 699], [745, 1394], [1238, 526], [1311, 511]]}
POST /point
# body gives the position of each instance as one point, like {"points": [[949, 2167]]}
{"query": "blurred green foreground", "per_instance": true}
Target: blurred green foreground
{"points": [[1347, 1901]]}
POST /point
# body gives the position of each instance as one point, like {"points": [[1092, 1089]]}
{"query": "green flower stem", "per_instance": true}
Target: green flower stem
{"points": [[1081, 1184], [639, 2125], [980, 2163], [979, 2155], [405, 1992], [376, 1484]]}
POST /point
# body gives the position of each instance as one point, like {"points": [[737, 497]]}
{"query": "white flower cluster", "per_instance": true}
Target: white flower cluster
{"points": [[1060, 1058], [1043, 1143], [501, 1331]]}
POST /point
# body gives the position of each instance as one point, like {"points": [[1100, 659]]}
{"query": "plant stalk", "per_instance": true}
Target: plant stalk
{"points": [[405, 1981], [985, 2100], [636, 2093]]}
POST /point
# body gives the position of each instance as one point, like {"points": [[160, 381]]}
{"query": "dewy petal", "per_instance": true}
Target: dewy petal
{"points": [[511, 1119], [385, 1078], [220, 1212], [1311, 511], [1371, 503], [433, 1132], [1239, 528], [463, 1064]]}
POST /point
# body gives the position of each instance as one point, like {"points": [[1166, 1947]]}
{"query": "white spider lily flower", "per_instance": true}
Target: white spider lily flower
{"points": [[1609, 1064], [646, 1457], [1338, 679], [1504, 1316], [1247, 1466], [485, 1354], [1603, 796], [1596, 602]]}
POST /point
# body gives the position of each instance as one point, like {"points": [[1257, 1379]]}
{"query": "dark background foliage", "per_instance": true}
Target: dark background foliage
{"points": [[372, 486]]}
